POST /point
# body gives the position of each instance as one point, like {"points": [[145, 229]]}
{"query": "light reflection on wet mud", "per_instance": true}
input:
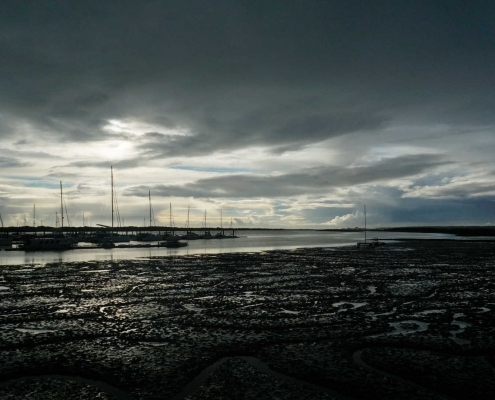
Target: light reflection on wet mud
{"points": [[148, 327]]}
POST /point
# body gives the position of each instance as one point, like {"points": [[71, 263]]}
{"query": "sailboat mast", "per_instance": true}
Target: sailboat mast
{"points": [[188, 207], [149, 196], [61, 206], [364, 224], [34, 215], [111, 184]]}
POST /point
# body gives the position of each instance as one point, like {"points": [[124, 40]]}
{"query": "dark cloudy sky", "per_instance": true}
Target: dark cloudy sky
{"points": [[282, 113]]}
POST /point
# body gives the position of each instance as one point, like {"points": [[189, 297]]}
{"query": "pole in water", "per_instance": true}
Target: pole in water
{"points": [[364, 224]]}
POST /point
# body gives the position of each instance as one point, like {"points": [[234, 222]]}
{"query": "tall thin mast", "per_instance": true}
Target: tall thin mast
{"points": [[188, 207], [149, 196], [111, 179], [61, 206], [170, 215], [364, 224], [34, 216]]}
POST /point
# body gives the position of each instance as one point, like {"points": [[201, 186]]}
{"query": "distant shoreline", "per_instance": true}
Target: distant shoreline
{"points": [[452, 230]]}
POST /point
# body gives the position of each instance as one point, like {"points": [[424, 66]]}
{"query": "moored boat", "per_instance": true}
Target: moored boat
{"points": [[190, 236], [48, 243], [5, 242], [175, 243]]}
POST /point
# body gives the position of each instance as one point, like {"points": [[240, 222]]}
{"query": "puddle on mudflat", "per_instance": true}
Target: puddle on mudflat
{"points": [[355, 305], [192, 307], [372, 289], [289, 312], [102, 271], [462, 327], [426, 312], [373, 315], [400, 330], [34, 331]]}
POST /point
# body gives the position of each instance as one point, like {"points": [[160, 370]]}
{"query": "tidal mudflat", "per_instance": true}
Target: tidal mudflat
{"points": [[411, 320]]}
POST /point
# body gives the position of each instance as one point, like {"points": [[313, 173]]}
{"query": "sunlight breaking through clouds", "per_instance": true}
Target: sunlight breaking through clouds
{"points": [[276, 110]]}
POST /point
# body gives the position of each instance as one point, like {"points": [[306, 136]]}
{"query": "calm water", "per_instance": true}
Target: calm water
{"points": [[248, 241]]}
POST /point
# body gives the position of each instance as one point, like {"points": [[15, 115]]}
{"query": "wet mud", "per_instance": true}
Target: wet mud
{"points": [[408, 320]]}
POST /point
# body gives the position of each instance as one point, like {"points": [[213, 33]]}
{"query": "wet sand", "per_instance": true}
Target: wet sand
{"points": [[410, 320]]}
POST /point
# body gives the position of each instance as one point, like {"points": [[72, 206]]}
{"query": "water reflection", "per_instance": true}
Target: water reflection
{"points": [[248, 241]]}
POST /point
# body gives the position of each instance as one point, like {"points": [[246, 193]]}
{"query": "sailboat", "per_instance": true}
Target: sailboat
{"points": [[189, 234], [4, 241], [172, 237], [172, 240], [232, 235], [149, 237], [207, 234], [367, 243], [108, 239], [56, 242], [221, 234]]}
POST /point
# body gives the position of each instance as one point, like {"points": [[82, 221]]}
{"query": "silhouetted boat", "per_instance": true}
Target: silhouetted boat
{"points": [[190, 236], [148, 237], [175, 243], [207, 234], [170, 237], [56, 242], [5, 242], [373, 243], [107, 244], [220, 235], [102, 238], [48, 243]]}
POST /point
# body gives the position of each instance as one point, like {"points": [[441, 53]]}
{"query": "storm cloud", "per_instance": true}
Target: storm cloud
{"points": [[307, 97], [313, 180]]}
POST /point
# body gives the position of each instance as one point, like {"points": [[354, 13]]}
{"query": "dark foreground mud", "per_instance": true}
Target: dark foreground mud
{"points": [[403, 321]]}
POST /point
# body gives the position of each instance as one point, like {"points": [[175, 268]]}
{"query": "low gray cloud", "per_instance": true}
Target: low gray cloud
{"points": [[278, 129], [8, 162], [120, 164], [313, 180]]}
